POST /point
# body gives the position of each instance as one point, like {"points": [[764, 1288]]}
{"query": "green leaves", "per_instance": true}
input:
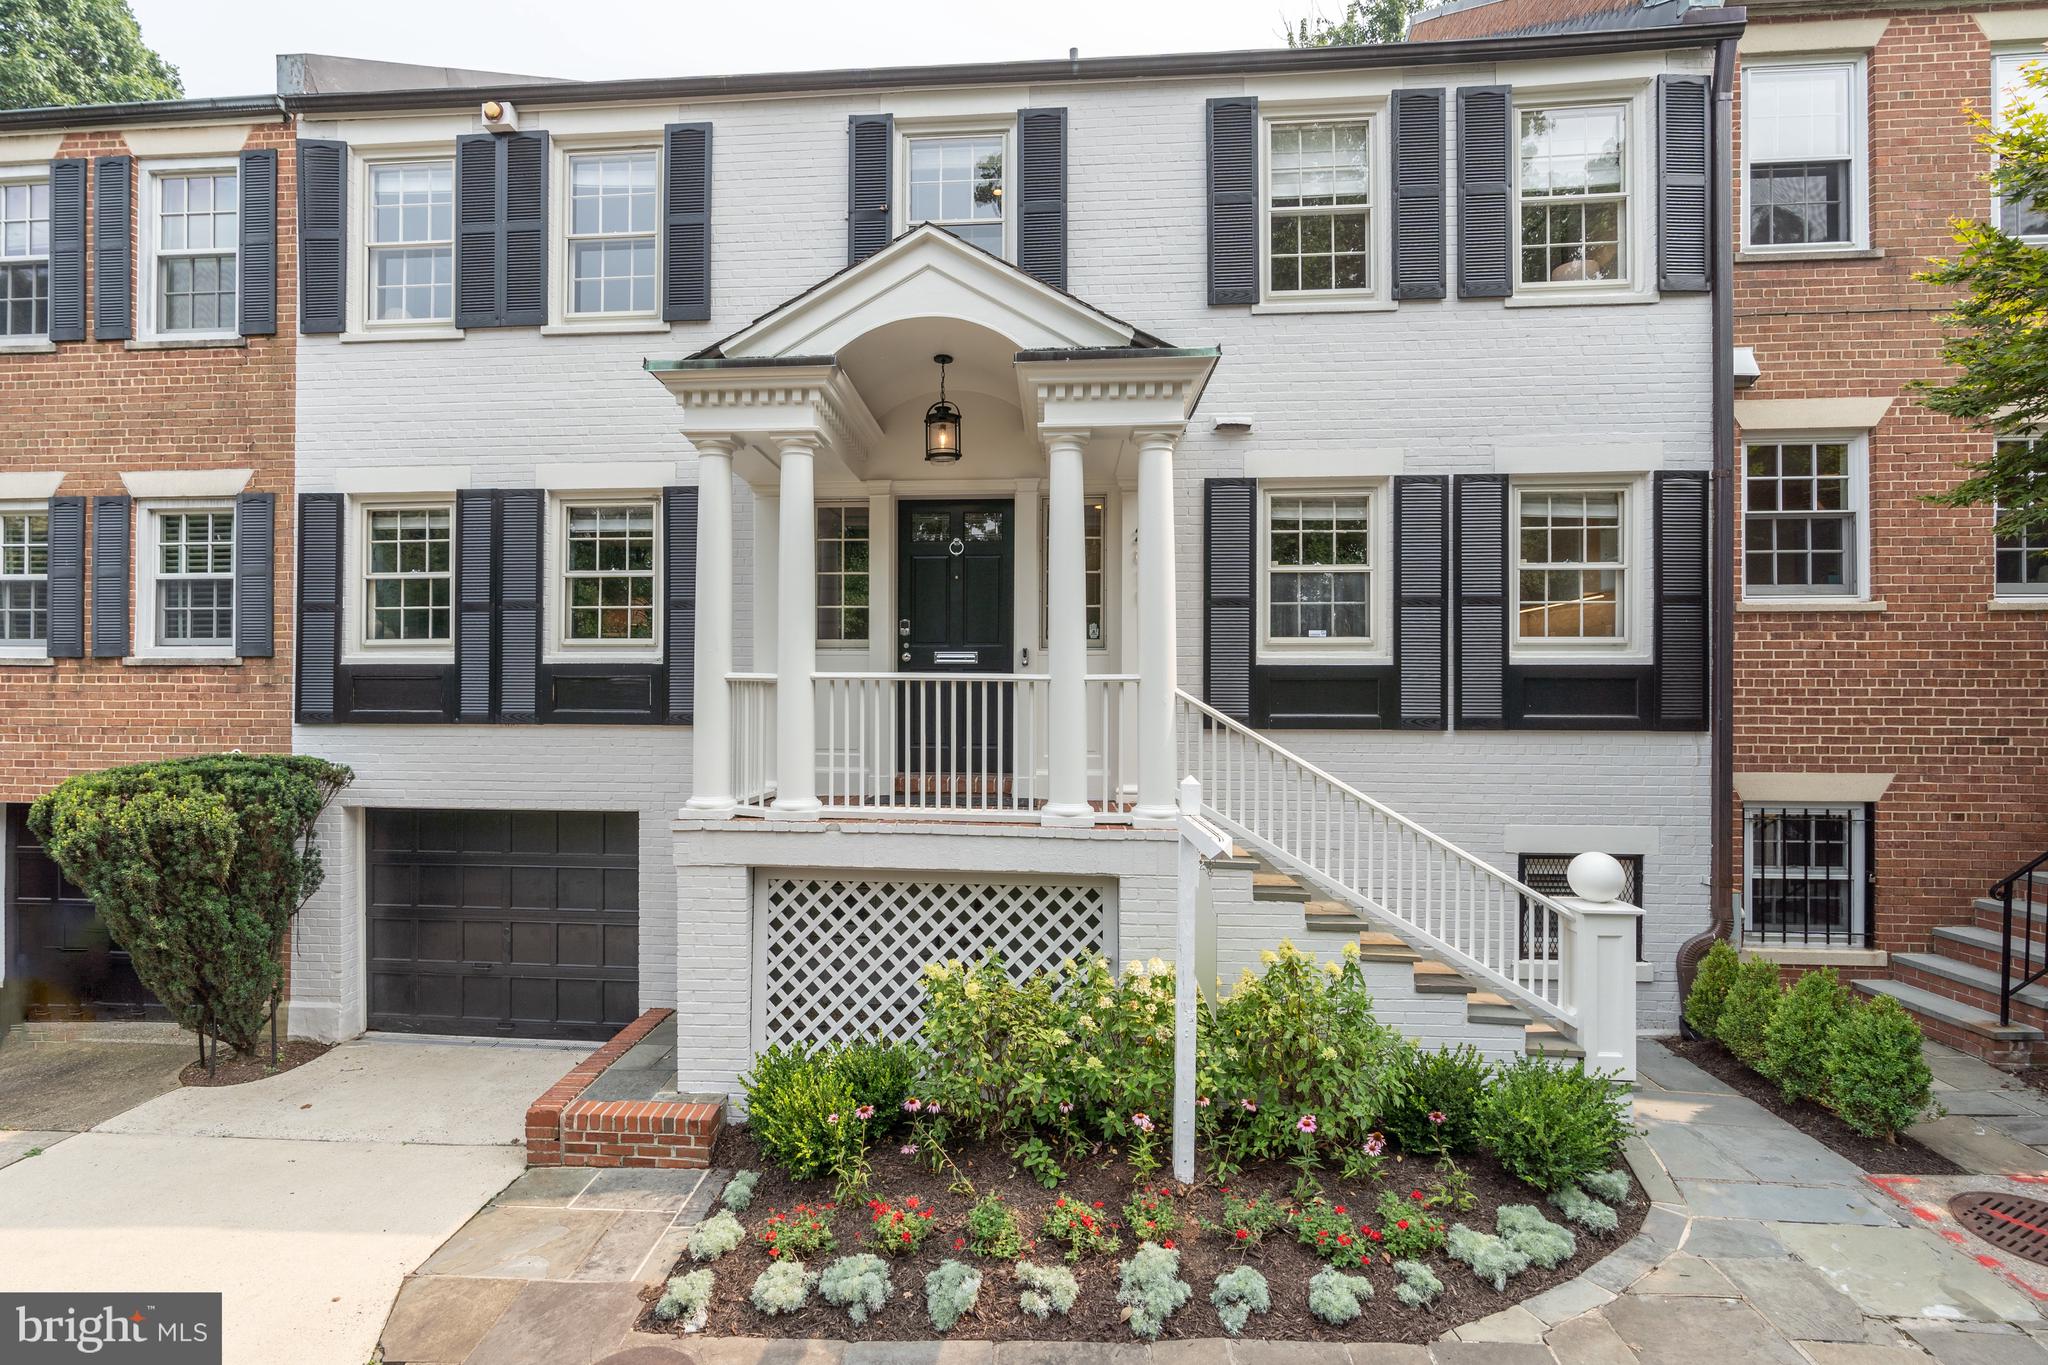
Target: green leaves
{"points": [[1549, 1124], [78, 52]]}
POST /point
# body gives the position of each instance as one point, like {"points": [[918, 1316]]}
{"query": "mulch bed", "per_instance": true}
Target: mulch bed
{"points": [[1874, 1155], [234, 1070], [1096, 1315]]}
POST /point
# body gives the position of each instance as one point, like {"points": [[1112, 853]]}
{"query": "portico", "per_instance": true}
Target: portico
{"points": [[992, 638]]}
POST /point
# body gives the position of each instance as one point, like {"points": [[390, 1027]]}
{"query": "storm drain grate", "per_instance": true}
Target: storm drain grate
{"points": [[2009, 1222]]}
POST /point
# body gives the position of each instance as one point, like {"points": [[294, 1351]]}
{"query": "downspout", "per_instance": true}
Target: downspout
{"points": [[1721, 765]]}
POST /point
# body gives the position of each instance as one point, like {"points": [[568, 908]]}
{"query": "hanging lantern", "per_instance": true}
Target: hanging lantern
{"points": [[942, 423]]}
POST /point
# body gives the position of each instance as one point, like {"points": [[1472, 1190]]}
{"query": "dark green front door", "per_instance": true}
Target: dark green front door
{"points": [[954, 617]]}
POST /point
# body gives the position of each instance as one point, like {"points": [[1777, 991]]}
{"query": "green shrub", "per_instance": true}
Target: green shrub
{"points": [[1802, 1032], [1579, 1207], [739, 1191], [784, 1287], [950, 1293], [715, 1236], [1418, 1285], [1747, 1012], [1338, 1298], [1151, 1287], [1550, 1124], [1877, 1078], [1611, 1187], [1710, 988], [859, 1284], [686, 1297], [992, 1230], [800, 1111], [1047, 1289], [1081, 1229], [197, 867], [1524, 1227], [1238, 1294], [1434, 1106], [1494, 1260], [880, 1074]]}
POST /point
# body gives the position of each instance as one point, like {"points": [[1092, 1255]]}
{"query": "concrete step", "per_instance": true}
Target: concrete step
{"points": [[1332, 917], [1437, 978], [1485, 1007], [1952, 1013], [1376, 946], [1982, 980], [1236, 860], [1990, 914], [1269, 885], [1544, 1040], [1980, 946]]}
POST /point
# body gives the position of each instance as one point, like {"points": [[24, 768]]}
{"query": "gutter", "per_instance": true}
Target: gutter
{"points": [[223, 108], [1453, 52]]}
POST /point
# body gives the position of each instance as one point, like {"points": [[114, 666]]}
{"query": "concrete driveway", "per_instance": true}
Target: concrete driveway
{"points": [[304, 1198]]}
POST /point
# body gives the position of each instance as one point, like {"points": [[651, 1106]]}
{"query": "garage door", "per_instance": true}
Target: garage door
{"points": [[57, 946], [519, 923]]}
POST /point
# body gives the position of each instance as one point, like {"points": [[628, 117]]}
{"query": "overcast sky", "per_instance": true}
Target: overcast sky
{"points": [[229, 47]]}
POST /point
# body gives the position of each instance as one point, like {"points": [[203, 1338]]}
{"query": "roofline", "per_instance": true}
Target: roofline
{"points": [[1700, 31], [142, 111], [744, 362]]}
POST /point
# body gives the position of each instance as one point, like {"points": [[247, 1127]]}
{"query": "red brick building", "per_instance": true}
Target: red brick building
{"points": [[147, 328], [1890, 656]]}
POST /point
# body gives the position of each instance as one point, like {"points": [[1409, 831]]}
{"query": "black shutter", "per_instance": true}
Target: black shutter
{"points": [[679, 626], [1418, 194], [1234, 200], [1684, 598], [1042, 195], [1229, 513], [323, 236], [1482, 581], [256, 298], [113, 251], [870, 145], [110, 556], [1685, 119], [478, 230], [1486, 191], [66, 586], [519, 572], [319, 633], [255, 575], [686, 223], [67, 253], [525, 249], [476, 539], [1422, 519]]}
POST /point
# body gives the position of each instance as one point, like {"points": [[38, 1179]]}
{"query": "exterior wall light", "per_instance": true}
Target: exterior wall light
{"points": [[942, 423]]}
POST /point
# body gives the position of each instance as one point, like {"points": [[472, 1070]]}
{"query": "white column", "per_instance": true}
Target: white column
{"points": [[711, 732], [1157, 663], [1066, 635], [767, 562], [796, 648]]}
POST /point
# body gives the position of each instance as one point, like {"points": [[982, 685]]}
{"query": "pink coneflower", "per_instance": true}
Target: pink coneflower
{"points": [[1305, 1124], [1201, 1102], [912, 1105], [1436, 1117], [932, 1108], [865, 1112], [1142, 1122], [1066, 1106], [1250, 1106], [908, 1149], [831, 1118], [1375, 1144]]}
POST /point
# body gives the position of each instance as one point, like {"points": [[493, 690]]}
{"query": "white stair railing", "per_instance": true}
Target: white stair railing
{"points": [[1422, 888]]}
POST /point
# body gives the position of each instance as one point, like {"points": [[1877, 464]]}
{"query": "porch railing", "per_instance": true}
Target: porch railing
{"points": [[943, 744], [2022, 958]]}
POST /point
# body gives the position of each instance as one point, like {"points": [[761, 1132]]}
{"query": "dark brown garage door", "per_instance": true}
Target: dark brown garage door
{"points": [[57, 946], [519, 923]]}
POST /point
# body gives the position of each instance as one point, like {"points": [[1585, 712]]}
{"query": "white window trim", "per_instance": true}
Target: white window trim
{"points": [[558, 647], [1999, 57], [359, 326], [1377, 646], [148, 300], [856, 645], [24, 649], [1637, 575], [1639, 200], [1859, 864], [1859, 508], [26, 175], [1378, 295], [561, 279], [1859, 159], [358, 648], [1042, 550], [148, 555], [913, 130], [2020, 594]]}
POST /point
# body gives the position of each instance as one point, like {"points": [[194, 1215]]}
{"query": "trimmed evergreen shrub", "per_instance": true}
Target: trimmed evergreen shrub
{"points": [[1801, 1034], [1338, 1298], [1549, 1124], [1447, 1084], [1710, 988], [1238, 1294], [1877, 1078], [1747, 1012]]}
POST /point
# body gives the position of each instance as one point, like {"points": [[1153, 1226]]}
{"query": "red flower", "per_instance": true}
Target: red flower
{"points": [[1098, 1203], [906, 1238], [769, 1235], [773, 1253], [1343, 1239], [959, 1242], [911, 1202], [1087, 1222], [1373, 1233], [1061, 1202], [1415, 1194], [1168, 1244], [1339, 1208], [1243, 1233], [1323, 1235], [1403, 1225], [925, 1214]]}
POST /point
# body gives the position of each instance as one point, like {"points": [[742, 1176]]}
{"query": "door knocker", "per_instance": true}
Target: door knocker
{"points": [[957, 548]]}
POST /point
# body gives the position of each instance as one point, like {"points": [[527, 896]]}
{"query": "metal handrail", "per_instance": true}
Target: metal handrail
{"points": [[2002, 890]]}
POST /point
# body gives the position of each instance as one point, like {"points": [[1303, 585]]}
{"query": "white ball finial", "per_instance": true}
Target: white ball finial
{"points": [[1596, 877]]}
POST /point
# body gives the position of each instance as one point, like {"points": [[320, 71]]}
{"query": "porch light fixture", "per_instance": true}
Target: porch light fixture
{"points": [[942, 423]]}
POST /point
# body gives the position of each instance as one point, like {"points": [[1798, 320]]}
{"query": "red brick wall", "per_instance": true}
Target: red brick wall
{"points": [[1937, 688], [95, 410]]}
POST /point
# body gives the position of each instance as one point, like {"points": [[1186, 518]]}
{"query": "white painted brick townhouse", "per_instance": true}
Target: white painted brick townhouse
{"points": [[1337, 427]]}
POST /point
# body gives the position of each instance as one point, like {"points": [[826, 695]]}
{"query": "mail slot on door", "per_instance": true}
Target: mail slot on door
{"points": [[956, 656]]}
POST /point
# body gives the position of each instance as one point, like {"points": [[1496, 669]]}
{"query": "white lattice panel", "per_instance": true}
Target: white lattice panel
{"points": [[838, 958]]}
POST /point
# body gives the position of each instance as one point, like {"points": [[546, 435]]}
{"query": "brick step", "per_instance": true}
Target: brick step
{"points": [[1953, 1015], [1969, 984]]}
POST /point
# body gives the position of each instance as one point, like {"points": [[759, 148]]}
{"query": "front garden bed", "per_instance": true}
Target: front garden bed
{"points": [[1096, 1315]]}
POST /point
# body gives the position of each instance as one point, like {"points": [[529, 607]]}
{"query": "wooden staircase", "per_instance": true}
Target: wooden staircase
{"points": [[1952, 986]]}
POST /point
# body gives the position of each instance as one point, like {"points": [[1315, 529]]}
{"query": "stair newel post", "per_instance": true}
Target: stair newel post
{"points": [[1198, 840], [1598, 942]]}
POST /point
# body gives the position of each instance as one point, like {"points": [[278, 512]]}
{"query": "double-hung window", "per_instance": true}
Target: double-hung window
{"points": [[192, 576], [609, 569], [1807, 874], [1571, 565], [2009, 86], [24, 580], [612, 223], [193, 245], [843, 574], [957, 183], [412, 241], [1801, 138], [1573, 183], [24, 259], [1318, 208], [1318, 576], [1092, 511], [1799, 518], [408, 576], [2020, 561]]}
